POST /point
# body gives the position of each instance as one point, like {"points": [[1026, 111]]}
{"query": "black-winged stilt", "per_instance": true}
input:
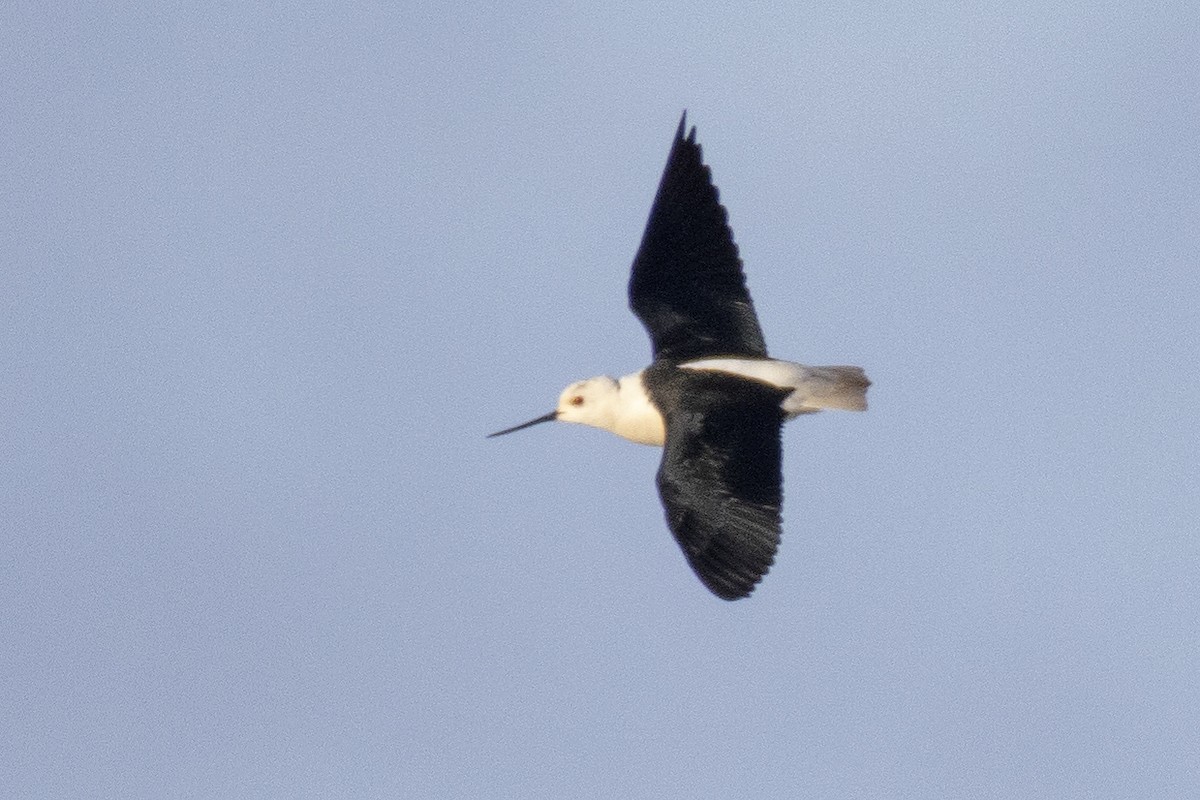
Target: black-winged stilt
{"points": [[712, 397]]}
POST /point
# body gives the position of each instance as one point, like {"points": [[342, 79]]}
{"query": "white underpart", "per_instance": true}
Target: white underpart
{"points": [[636, 418], [813, 388]]}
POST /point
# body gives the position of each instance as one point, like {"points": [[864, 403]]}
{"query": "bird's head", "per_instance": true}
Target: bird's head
{"points": [[589, 402]]}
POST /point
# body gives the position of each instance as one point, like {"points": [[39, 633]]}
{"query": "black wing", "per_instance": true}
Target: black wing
{"points": [[687, 285], [721, 480]]}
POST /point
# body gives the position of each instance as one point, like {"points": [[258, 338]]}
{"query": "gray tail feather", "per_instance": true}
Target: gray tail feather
{"points": [[843, 388]]}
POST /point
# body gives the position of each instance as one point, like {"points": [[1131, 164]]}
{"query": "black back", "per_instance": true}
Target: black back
{"points": [[721, 478], [687, 285]]}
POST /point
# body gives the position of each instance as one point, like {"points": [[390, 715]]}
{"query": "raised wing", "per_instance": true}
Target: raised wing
{"points": [[687, 285], [721, 480]]}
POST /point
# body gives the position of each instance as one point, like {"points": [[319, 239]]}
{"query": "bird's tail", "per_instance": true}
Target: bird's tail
{"points": [[842, 388]]}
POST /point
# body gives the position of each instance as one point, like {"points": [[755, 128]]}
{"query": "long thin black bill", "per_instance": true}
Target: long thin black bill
{"points": [[553, 415]]}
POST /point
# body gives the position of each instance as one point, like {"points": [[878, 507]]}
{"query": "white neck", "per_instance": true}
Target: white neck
{"points": [[635, 417]]}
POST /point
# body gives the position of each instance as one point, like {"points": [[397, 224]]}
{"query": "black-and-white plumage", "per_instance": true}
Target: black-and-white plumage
{"points": [[711, 397]]}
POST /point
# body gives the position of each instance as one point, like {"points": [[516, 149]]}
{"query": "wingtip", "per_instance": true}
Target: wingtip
{"points": [[679, 132], [732, 586]]}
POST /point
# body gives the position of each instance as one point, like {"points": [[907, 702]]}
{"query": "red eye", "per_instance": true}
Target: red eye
{"points": [[577, 400]]}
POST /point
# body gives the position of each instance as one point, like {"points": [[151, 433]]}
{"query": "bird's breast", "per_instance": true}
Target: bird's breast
{"points": [[637, 419]]}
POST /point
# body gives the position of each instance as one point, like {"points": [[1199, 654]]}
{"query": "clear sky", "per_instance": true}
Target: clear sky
{"points": [[271, 271]]}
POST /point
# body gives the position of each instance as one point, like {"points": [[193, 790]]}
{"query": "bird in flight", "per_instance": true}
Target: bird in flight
{"points": [[711, 398]]}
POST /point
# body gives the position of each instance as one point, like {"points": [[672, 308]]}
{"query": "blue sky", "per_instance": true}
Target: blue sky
{"points": [[273, 271]]}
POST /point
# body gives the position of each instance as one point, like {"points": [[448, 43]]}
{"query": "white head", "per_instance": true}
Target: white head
{"points": [[590, 402]]}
